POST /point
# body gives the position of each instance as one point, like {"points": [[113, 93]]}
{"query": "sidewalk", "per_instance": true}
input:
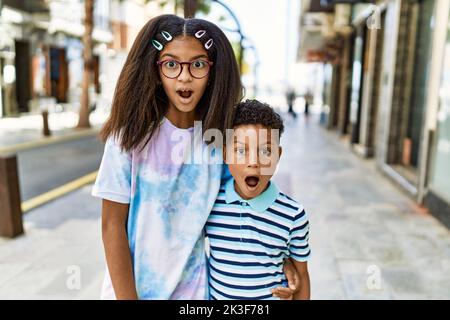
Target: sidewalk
{"points": [[365, 232], [26, 130], [62, 239], [368, 239]]}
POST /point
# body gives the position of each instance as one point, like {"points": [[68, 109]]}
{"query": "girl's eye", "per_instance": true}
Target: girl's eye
{"points": [[198, 64], [171, 64]]}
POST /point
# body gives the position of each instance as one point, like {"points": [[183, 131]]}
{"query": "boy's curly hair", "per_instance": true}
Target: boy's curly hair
{"points": [[256, 112]]}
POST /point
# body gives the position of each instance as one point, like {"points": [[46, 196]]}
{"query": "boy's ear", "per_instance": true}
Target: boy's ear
{"points": [[280, 151]]}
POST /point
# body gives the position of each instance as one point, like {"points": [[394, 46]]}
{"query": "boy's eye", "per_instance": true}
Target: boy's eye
{"points": [[171, 64], [265, 152], [198, 64], [240, 151]]}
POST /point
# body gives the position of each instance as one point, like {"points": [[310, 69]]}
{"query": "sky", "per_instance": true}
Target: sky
{"points": [[272, 26]]}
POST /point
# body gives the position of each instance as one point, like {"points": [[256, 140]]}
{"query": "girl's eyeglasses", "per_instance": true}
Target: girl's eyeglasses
{"points": [[173, 68]]}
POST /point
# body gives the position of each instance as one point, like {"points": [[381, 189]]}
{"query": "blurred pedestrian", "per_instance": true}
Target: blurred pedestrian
{"points": [[291, 95], [155, 208], [308, 101]]}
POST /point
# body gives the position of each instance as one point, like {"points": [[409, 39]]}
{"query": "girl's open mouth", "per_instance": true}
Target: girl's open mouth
{"points": [[252, 181], [184, 93]]}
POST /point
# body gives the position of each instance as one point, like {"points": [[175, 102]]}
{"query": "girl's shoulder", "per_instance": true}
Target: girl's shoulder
{"points": [[115, 141], [114, 149]]}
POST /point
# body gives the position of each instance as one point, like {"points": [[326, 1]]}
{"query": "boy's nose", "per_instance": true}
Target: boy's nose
{"points": [[253, 161], [252, 165]]}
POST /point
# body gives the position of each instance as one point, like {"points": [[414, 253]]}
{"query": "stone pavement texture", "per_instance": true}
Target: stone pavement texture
{"points": [[59, 236], [369, 240], [28, 128]]}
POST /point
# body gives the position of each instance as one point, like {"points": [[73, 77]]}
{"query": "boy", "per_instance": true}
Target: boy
{"points": [[253, 226]]}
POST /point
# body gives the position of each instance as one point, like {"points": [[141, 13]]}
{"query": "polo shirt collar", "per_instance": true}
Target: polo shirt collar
{"points": [[259, 203]]}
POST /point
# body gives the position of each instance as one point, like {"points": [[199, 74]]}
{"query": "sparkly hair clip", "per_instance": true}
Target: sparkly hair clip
{"points": [[201, 33], [158, 44]]}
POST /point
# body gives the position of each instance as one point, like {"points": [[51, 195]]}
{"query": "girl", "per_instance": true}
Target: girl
{"points": [[154, 210]]}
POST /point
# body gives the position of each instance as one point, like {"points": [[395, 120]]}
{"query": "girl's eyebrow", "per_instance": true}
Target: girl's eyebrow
{"points": [[176, 57]]}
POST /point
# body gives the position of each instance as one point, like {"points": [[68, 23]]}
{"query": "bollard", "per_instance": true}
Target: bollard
{"points": [[46, 127], [10, 211]]}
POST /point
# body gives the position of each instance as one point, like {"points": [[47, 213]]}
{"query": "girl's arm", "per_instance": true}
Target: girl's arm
{"points": [[293, 279], [303, 292], [117, 250]]}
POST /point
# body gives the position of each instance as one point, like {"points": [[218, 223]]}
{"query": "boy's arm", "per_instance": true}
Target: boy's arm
{"points": [[117, 250], [303, 292], [299, 286]]}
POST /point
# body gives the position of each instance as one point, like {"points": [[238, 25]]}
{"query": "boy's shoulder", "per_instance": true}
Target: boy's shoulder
{"points": [[288, 204], [283, 204]]}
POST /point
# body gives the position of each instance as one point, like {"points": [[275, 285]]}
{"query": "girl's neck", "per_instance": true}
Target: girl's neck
{"points": [[182, 120]]}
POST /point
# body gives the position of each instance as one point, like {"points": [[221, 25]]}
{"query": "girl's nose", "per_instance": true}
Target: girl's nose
{"points": [[185, 75]]}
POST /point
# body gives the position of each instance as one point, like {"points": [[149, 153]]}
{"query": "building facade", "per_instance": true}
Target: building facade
{"points": [[41, 51], [389, 90]]}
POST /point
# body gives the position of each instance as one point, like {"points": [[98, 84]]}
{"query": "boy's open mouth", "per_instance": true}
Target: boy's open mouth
{"points": [[185, 93], [252, 181]]}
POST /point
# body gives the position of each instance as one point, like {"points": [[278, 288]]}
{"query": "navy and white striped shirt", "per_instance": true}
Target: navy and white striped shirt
{"points": [[249, 240]]}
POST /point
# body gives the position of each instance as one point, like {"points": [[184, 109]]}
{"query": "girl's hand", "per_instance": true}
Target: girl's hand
{"points": [[283, 293], [293, 281], [292, 275]]}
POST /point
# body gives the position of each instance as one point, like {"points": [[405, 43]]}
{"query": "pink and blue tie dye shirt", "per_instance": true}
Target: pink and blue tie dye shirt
{"points": [[169, 203]]}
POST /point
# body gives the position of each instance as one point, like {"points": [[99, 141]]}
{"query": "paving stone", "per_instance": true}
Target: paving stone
{"points": [[356, 276], [362, 226]]}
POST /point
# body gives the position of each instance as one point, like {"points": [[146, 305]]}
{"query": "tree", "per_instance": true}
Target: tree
{"points": [[190, 7], [83, 121]]}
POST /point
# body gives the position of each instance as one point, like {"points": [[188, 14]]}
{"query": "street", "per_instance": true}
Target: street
{"points": [[363, 88], [45, 168], [369, 240]]}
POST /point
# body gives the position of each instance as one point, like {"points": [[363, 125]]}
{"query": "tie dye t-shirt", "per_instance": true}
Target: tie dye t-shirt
{"points": [[169, 203]]}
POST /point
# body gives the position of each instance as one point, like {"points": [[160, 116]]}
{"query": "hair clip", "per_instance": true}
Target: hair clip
{"points": [[157, 45], [200, 34], [166, 35], [208, 44]]}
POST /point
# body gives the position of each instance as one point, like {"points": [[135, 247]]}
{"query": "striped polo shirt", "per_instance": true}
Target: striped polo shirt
{"points": [[249, 239]]}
